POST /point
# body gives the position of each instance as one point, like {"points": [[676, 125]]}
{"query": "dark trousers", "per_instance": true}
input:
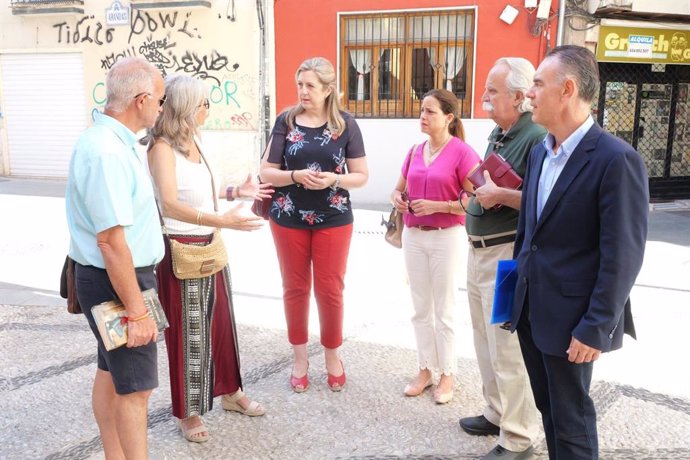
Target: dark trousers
{"points": [[561, 392]]}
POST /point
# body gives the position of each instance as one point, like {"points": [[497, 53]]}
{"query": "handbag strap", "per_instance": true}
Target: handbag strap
{"points": [[213, 184], [264, 154], [409, 165], [213, 191]]}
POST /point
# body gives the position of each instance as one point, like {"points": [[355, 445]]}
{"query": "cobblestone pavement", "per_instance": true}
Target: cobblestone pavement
{"points": [[47, 362]]}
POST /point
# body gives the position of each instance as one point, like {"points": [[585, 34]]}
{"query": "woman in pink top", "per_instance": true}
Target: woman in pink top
{"points": [[434, 175]]}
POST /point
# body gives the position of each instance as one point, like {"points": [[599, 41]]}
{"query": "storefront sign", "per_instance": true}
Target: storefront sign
{"points": [[641, 45], [117, 14]]}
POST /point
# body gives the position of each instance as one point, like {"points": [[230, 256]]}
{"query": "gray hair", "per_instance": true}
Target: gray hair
{"points": [[177, 122], [519, 79], [580, 64], [127, 78]]}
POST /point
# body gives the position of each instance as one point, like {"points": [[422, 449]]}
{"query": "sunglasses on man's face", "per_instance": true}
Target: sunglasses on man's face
{"points": [[161, 101]]}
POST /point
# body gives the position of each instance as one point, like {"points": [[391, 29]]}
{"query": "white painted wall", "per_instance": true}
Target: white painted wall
{"points": [[198, 41], [388, 141], [662, 6]]}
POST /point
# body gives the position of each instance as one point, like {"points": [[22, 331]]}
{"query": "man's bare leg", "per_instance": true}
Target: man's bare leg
{"points": [[131, 420], [103, 402]]}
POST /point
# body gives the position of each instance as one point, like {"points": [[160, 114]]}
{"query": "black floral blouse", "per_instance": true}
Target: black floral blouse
{"points": [[316, 149]]}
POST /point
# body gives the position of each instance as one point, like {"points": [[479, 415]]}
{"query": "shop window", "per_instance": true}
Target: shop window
{"points": [[390, 60]]}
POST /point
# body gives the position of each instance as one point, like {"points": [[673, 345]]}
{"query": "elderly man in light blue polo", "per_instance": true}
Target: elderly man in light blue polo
{"points": [[115, 240]]}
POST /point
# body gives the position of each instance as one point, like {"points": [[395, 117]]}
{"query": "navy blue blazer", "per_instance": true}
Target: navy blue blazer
{"points": [[577, 264]]}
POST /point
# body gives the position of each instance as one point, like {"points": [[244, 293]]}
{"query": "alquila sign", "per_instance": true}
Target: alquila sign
{"points": [[643, 45]]}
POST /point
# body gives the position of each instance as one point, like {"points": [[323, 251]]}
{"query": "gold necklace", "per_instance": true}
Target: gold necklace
{"points": [[433, 152]]}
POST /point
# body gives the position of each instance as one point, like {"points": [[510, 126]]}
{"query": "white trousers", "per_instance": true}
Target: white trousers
{"points": [[506, 388], [432, 258]]}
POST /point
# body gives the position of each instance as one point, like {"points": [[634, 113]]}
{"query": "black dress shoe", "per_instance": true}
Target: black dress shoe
{"points": [[501, 453], [479, 426]]}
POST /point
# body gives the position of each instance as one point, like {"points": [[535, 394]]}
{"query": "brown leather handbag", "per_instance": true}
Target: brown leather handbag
{"points": [[394, 227], [68, 286], [394, 224], [262, 206]]}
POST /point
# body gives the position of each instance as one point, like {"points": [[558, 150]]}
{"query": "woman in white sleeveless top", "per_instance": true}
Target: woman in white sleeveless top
{"points": [[202, 339]]}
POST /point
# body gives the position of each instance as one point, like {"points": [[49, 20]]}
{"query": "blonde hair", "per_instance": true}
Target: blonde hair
{"points": [[324, 71], [177, 122]]}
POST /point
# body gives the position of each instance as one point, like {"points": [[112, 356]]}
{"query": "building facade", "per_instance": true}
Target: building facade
{"points": [[54, 56], [643, 51], [388, 53]]}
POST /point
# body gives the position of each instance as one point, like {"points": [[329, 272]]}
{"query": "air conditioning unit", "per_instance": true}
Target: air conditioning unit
{"points": [[615, 4]]}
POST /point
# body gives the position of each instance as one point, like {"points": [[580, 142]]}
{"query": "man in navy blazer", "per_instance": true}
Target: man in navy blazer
{"points": [[579, 247]]}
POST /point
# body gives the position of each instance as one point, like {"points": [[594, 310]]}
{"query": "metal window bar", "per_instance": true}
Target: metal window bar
{"points": [[650, 110], [408, 54]]}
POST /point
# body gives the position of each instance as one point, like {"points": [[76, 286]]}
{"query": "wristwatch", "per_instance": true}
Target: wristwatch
{"points": [[229, 193]]}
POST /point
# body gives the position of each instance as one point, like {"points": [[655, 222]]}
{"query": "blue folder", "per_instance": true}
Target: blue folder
{"points": [[504, 293]]}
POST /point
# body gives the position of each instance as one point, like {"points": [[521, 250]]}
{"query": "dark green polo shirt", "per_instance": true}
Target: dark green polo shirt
{"points": [[514, 147]]}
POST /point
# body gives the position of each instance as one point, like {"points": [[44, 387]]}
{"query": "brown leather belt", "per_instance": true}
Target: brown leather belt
{"points": [[426, 228], [488, 242]]}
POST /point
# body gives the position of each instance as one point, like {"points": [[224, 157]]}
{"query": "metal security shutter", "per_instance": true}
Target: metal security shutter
{"points": [[44, 109]]}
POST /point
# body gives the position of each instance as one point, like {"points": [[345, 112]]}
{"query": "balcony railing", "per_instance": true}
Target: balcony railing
{"points": [[157, 4], [47, 6]]}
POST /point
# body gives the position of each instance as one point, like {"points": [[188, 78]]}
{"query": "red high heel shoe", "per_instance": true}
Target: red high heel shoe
{"points": [[336, 383], [300, 384]]}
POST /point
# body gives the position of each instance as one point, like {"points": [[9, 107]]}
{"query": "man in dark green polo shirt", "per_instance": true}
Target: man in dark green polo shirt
{"points": [[510, 412]]}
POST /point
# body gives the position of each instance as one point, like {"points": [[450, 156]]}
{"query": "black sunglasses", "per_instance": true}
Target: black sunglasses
{"points": [[161, 101]]}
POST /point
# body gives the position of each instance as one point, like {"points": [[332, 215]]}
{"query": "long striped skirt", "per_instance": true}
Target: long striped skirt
{"points": [[202, 339]]}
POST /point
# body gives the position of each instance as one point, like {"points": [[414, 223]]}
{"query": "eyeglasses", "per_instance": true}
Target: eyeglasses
{"points": [[161, 101], [205, 104], [481, 213], [406, 198]]}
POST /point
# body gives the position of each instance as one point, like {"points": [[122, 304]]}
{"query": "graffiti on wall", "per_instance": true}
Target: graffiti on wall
{"points": [[173, 43]]}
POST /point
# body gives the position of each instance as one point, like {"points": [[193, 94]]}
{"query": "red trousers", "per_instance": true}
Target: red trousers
{"points": [[320, 254]]}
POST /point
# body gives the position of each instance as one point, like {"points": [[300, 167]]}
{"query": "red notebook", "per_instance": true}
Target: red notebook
{"points": [[500, 171]]}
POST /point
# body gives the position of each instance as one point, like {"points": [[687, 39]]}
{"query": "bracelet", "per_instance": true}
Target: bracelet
{"points": [[138, 318], [230, 193], [198, 218], [292, 176], [336, 184]]}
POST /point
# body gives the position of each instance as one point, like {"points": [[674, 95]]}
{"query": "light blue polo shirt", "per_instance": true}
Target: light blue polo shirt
{"points": [[108, 185]]}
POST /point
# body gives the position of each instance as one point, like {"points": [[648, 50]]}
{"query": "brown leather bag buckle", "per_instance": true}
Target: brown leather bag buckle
{"points": [[208, 266]]}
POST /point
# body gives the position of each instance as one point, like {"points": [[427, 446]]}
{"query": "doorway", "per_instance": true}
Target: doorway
{"points": [[648, 106]]}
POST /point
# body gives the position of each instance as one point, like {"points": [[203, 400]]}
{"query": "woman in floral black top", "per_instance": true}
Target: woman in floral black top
{"points": [[316, 154]]}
